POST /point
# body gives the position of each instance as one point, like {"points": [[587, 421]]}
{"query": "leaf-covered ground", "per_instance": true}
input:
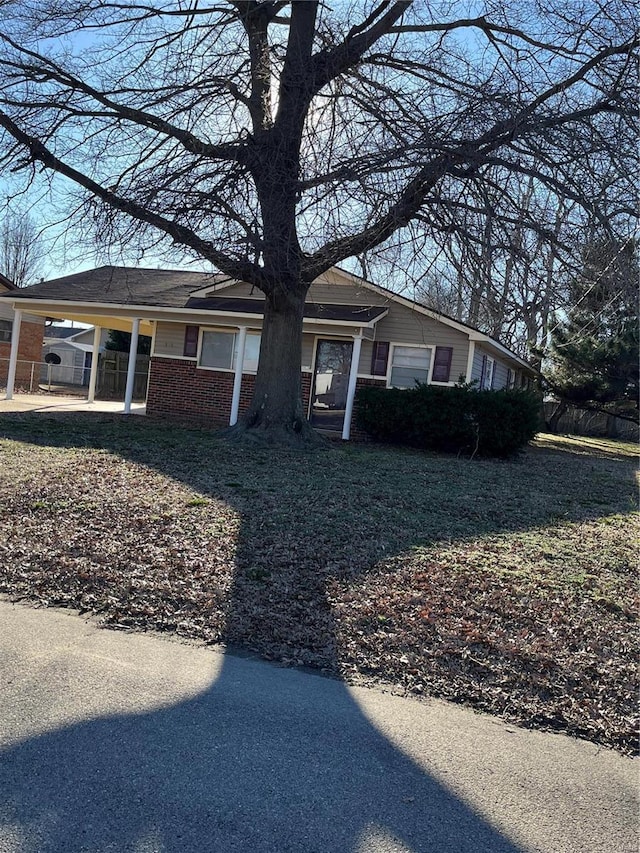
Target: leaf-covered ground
{"points": [[509, 586]]}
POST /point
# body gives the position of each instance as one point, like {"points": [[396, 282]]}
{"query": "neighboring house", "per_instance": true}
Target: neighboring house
{"points": [[68, 354], [29, 353], [354, 333]]}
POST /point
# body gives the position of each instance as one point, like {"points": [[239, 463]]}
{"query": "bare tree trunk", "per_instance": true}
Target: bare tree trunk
{"points": [[276, 413], [554, 420]]}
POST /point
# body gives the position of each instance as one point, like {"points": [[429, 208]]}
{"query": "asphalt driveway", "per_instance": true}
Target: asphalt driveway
{"points": [[127, 742]]}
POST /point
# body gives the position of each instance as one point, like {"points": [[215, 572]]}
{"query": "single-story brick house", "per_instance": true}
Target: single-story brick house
{"points": [[29, 354], [205, 333]]}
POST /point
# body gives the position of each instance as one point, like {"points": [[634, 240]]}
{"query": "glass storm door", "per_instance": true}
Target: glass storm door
{"points": [[330, 383]]}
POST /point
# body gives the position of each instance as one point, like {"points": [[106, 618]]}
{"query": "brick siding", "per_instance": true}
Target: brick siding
{"points": [[358, 434], [179, 389], [29, 352]]}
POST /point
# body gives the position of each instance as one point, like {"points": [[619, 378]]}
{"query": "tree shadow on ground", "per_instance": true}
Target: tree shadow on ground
{"points": [[258, 763], [277, 762]]}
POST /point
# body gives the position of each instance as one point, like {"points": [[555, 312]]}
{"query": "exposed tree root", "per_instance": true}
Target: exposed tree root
{"points": [[298, 436]]}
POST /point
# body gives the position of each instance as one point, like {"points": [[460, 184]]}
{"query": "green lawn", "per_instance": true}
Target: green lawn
{"points": [[509, 586]]}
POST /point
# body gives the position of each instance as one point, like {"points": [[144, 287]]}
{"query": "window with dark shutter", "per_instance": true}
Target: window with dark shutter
{"points": [[442, 364], [190, 341], [483, 372], [379, 358]]}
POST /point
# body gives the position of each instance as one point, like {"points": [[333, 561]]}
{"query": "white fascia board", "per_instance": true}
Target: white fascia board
{"points": [[150, 312], [479, 337], [219, 282]]}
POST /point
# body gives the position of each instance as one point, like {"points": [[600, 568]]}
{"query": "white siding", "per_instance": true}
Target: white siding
{"points": [[239, 290], [169, 340], [71, 367], [500, 375], [7, 313], [403, 325], [324, 291], [500, 370]]}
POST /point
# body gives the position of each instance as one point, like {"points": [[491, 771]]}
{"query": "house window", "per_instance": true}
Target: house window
{"points": [[5, 331], [218, 351], [489, 372], [408, 366], [251, 353]]}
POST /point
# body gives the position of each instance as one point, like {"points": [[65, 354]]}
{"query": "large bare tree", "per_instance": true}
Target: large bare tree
{"points": [[276, 139], [21, 248]]}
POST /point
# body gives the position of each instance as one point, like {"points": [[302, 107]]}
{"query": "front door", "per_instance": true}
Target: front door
{"points": [[330, 383]]}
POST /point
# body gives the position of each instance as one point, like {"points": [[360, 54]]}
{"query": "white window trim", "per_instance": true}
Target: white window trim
{"points": [[227, 330], [415, 346], [487, 385]]}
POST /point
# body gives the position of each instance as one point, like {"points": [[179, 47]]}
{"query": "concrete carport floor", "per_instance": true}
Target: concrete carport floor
{"points": [[54, 403]]}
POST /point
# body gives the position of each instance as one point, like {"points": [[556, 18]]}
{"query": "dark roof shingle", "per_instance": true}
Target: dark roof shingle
{"points": [[123, 286]]}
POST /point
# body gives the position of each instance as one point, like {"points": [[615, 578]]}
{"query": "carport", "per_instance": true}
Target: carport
{"points": [[97, 316]]}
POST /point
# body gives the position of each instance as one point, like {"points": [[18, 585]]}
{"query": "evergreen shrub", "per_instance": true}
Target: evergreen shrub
{"points": [[460, 419]]}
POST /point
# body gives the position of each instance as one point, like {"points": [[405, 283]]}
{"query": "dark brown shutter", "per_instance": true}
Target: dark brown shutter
{"points": [[493, 373], [509, 378], [379, 358], [442, 364], [191, 341], [483, 372]]}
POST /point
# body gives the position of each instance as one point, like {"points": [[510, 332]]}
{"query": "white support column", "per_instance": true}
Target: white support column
{"points": [[13, 355], [93, 375], [131, 367], [351, 389], [472, 352], [237, 379]]}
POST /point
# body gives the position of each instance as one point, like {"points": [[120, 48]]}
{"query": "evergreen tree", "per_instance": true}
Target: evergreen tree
{"points": [[121, 342], [595, 349]]}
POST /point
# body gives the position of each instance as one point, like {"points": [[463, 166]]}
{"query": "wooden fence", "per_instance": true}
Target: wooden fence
{"points": [[579, 422], [112, 375]]}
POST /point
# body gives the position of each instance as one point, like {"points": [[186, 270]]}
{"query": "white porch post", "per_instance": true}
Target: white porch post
{"points": [[131, 367], [93, 375], [470, 357], [237, 379], [13, 355], [351, 388]]}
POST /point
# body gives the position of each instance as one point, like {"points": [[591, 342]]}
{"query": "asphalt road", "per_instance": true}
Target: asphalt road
{"points": [[133, 743]]}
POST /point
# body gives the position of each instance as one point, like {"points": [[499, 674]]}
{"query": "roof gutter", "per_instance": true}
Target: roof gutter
{"points": [[149, 312]]}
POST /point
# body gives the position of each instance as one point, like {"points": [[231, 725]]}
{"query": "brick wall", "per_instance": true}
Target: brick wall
{"points": [[29, 351], [358, 434], [178, 388]]}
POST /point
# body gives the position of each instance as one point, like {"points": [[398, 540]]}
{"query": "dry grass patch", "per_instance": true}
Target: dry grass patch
{"points": [[510, 586]]}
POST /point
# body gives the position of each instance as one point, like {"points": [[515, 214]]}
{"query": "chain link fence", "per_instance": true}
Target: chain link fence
{"points": [[111, 381]]}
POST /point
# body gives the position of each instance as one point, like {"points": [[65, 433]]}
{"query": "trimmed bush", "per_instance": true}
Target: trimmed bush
{"points": [[454, 420]]}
